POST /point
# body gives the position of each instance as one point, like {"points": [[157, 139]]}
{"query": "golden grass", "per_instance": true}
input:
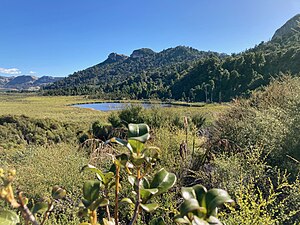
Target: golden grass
{"points": [[59, 108], [53, 107]]}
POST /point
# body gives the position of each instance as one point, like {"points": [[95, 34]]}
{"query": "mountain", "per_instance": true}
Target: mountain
{"points": [[45, 80], [26, 82], [184, 73], [288, 28], [119, 72], [4, 80]]}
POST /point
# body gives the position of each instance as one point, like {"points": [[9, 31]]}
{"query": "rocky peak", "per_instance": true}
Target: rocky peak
{"points": [[288, 28], [115, 57], [142, 53]]}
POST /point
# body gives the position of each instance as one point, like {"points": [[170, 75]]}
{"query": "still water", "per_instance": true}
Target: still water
{"points": [[109, 106]]}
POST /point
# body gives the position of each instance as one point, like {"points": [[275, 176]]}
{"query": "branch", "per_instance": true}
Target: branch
{"points": [[28, 215], [138, 198]]}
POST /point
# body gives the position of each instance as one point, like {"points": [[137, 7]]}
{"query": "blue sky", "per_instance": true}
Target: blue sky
{"points": [[59, 37]]}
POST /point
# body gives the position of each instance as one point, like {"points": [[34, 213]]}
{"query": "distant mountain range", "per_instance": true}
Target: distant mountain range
{"points": [[26, 82], [184, 73]]}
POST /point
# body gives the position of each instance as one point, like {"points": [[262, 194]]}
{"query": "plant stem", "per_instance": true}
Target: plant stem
{"points": [[94, 217], [47, 213], [138, 197], [117, 193], [28, 214], [107, 207]]}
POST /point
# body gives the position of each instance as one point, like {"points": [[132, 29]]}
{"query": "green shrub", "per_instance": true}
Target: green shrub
{"points": [[131, 114], [101, 131], [269, 119], [19, 131]]}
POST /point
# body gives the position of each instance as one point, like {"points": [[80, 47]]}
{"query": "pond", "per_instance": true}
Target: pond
{"points": [[110, 106]]}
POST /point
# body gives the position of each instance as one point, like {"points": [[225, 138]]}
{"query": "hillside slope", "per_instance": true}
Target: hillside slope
{"points": [[119, 74]]}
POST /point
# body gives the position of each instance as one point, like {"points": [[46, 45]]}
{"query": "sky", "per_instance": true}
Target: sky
{"points": [[59, 37]]}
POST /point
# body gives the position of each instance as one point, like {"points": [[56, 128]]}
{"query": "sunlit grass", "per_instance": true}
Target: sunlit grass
{"points": [[59, 108]]}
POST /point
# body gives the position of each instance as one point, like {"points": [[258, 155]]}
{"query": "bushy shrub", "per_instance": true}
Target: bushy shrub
{"points": [[101, 131], [131, 114], [18, 131], [114, 120], [269, 119]]}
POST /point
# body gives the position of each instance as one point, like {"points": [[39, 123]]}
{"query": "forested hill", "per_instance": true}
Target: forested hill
{"points": [[143, 74], [184, 73], [216, 79]]}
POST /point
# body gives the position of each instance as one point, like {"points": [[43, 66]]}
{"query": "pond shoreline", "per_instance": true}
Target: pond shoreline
{"points": [[184, 104]]}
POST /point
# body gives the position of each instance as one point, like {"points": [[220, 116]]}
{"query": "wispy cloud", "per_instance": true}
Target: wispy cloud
{"points": [[32, 72], [11, 71]]}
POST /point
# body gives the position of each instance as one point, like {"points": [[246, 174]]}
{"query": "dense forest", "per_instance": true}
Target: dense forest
{"points": [[144, 74], [184, 73]]}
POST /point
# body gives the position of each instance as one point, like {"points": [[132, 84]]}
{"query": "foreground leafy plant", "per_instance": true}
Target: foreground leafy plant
{"points": [[137, 163], [200, 206], [8, 217]]}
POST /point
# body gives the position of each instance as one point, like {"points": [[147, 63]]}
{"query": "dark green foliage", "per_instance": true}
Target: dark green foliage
{"points": [[145, 74], [101, 131], [198, 120], [83, 137], [270, 120], [131, 114], [200, 206], [114, 120], [22, 130]]}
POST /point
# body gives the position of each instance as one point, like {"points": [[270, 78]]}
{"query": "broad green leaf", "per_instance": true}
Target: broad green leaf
{"points": [[120, 142], [214, 220], [214, 198], [94, 169], [182, 220], [141, 139], [100, 202], [158, 221], [39, 207], [108, 177], [144, 183], [139, 132], [8, 218], [137, 146], [149, 207], [137, 160], [146, 193], [199, 221], [91, 190], [189, 205], [127, 200], [188, 192], [200, 192], [163, 181], [58, 192], [86, 203], [131, 180]]}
